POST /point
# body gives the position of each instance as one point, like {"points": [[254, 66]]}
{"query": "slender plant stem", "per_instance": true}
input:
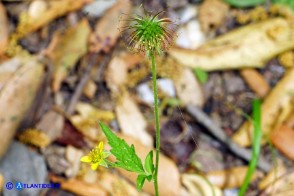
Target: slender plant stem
{"points": [[256, 146], [157, 129]]}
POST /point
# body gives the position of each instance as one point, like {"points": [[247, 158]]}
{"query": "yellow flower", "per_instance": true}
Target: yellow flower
{"points": [[96, 157]]}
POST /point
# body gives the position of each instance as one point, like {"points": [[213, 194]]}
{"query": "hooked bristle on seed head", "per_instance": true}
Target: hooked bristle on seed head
{"points": [[149, 33]]}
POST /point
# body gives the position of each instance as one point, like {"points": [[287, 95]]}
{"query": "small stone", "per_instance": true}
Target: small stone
{"points": [[20, 164]]}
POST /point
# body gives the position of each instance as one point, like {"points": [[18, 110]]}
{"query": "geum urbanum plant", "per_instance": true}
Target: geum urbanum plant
{"points": [[150, 35]]}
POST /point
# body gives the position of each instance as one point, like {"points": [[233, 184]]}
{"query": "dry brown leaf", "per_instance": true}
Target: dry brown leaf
{"points": [[117, 185], [283, 139], [86, 121], [31, 22], [198, 185], [79, 187], [73, 156], [116, 74], [272, 176], [131, 120], [256, 82], [212, 14], [72, 45], [168, 174], [275, 109], [16, 96], [282, 187], [249, 46], [3, 30], [230, 178], [34, 137], [90, 89], [106, 30], [188, 88], [51, 123]]}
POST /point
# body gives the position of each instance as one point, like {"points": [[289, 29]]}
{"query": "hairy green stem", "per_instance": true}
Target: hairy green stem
{"points": [[157, 129], [256, 146]]}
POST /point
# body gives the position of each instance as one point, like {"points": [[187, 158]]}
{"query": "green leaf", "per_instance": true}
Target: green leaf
{"points": [[149, 166], [174, 102], [149, 178], [289, 3], [125, 155], [201, 75], [244, 3], [140, 181]]}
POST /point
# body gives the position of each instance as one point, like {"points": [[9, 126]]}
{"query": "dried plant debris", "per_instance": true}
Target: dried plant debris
{"points": [[34, 137], [17, 95], [276, 107], [240, 48], [3, 30]]}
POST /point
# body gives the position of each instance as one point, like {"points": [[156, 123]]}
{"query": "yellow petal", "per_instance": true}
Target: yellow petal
{"points": [[85, 159], [94, 166], [100, 146]]}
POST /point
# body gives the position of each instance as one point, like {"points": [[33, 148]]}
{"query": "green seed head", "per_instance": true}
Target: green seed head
{"points": [[149, 33]]}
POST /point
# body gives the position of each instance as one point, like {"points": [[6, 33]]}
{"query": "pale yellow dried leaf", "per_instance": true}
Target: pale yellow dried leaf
{"points": [[188, 88], [16, 97], [118, 185], [34, 137], [52, 124], [249, 46], [198, 185], [3, 29], [107, 28], [73, 156], [70, 48], [282, 187], [277, 171], [212, 14], [90, 89], [87, 119], [79, 187], [275, 109], [131, 120], [230, 178], [55, 9]]}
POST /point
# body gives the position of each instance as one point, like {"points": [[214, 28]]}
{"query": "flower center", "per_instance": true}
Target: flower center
{"points": [[95, 155]]}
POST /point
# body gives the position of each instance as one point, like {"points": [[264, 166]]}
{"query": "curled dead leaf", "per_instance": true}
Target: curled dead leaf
{"points": [[17, 95], [198, 185], [249, 46], [106, 30], [282, 187], [283, 139], [131, 120], [230, 178], [71, 47], [212, 14], [275, 109], [188, 88], [3, 30], [256, 82], [86, 121], [79, 187], [34, 137], [278, 171]]}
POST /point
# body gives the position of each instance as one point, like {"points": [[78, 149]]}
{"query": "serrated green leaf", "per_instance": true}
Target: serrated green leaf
{"points": [[244, 3], [140, 181], [149, 166], [125, 155], [289, 3], [201, 75]]}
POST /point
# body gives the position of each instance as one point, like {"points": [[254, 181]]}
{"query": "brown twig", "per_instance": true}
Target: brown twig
{"points": [[79, 89], [217, 132]]}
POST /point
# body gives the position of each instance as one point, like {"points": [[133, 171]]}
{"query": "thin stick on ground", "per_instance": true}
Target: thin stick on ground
{"points": [[217, 132]]}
